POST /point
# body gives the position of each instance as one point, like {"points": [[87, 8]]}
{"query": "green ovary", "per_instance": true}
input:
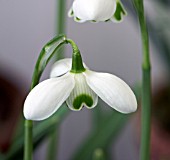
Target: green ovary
{"points": [[82, 99]]}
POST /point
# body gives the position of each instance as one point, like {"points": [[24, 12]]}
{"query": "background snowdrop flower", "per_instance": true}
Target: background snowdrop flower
{"points": [[97, 10], [79, 87]]}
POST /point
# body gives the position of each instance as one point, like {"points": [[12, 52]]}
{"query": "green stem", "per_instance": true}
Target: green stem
{"points": [[146, 116], [146, 85], [146, 95], [60, 23], [74, 46], [28, 140], [77, 63]]}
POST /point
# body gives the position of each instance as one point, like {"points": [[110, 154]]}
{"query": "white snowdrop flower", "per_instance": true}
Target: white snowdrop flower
{"points": [[97, 10], [79, 87]]}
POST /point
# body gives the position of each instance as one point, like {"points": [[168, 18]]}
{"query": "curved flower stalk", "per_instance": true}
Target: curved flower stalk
{"points": [[97, 10], [72, 82]]}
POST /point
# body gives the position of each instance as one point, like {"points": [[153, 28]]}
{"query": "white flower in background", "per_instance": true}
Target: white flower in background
{"points": [[78, 90], [97, 10]]}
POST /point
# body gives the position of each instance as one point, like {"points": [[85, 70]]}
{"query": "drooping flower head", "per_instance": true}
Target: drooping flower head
{"points": [[71, 81], [97, 10]]}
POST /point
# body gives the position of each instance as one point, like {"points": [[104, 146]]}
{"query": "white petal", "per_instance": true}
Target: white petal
{"points": [[47, 97], [112, 90], [61, 67], [98, 10], [82, 95]]}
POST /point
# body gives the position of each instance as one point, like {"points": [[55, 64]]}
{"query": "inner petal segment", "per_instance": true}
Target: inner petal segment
{"points": [[81, 95]]}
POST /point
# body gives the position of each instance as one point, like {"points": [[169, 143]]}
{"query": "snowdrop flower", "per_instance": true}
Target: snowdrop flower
{"points": [[97, 10], [73, 82]]}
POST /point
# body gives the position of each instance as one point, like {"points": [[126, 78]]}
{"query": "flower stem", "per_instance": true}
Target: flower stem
{"points": [[28, 140], [77, 63], [146, 116], [60, 23], [146, 85]]}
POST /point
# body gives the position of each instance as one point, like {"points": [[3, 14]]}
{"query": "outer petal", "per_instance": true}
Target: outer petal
{"points": [[111, 89], [47, 97], [98, 10], [61, 67], [82, 95]]}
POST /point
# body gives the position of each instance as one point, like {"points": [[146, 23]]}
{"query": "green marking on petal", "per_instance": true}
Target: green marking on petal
{"points": [[107, 20], [94, 21], [120, 11], [71, 13], [82, 94], [77, 19], [82, 99]]}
